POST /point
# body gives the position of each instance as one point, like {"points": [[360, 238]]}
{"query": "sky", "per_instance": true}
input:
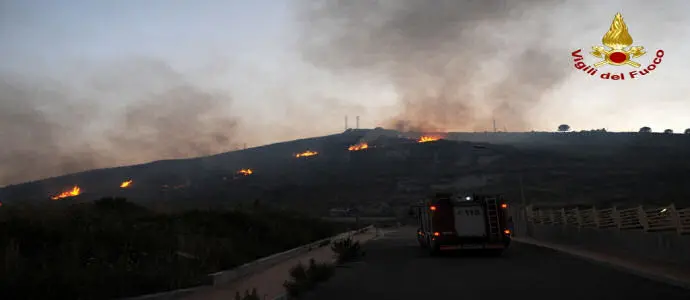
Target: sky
{"points": [[88, 84]]}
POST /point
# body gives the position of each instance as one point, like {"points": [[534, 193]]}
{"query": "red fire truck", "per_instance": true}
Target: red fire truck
{"points": [[452, 222]]}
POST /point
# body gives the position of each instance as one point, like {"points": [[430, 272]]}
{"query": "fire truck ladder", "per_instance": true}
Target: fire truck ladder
{"points": [[492, 217]]}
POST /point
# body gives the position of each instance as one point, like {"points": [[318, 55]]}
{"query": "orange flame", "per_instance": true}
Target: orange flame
{"points": [[126, 184], [307, 153], [75, 191], [360, 146], [245, 172], [426, 139]]}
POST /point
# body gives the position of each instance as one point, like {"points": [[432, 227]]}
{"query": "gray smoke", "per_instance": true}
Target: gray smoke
{"points": [[455, 64], [48, 128]]}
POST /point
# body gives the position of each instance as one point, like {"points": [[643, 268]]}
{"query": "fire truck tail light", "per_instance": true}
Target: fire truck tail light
{"points": [[432, 207], [504, 205], [436, 234]]}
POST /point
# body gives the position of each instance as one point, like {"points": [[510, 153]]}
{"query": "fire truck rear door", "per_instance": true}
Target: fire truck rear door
{"points": [[469, 221]]}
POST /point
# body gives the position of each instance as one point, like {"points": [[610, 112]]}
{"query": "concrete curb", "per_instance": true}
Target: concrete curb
{"points": [[378, 235], [174, 294], [618, 264], [227, 276]]}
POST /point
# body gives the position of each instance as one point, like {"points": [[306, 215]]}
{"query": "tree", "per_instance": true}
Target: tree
{"points": [[645, 129], [687, 131], [563, 128], [668, 131]]}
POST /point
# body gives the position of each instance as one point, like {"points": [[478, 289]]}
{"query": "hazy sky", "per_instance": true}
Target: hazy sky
{"points": [[101, 83]]}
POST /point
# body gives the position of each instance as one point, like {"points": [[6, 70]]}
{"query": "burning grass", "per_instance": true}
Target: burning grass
{"points": [[307, 153], [75, 191], [245, 172], [428, 138], [126, 184], [358, 147]]}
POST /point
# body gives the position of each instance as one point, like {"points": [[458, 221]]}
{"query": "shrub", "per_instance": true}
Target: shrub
{"points": [[347, 250], [248, 296], [300, 282], [304, 279], [319, 272]]}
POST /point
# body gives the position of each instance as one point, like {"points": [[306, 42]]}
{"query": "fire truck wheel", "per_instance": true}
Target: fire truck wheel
{"points": [[434, 249]]}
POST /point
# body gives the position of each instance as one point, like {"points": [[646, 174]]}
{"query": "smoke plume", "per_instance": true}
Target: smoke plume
{"points": [[454, 64], [48, 126]]}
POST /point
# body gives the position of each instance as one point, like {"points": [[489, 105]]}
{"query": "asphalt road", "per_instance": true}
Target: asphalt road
{"points": [[395, 268]]}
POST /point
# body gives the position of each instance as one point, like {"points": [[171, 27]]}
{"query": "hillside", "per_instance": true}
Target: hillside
{"points": [[590, 167]]}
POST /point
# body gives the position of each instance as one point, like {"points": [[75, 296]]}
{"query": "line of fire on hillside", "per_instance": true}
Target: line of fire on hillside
{"points": [[77, 190]]}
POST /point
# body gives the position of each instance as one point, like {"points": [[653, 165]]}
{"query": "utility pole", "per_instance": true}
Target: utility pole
{"points": [[494, 125], [345, 122], [522, 192], [522, 212], [357, 122]]}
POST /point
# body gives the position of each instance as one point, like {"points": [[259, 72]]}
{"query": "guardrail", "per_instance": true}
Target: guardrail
{"points": [[667, 218], [262, 264]]}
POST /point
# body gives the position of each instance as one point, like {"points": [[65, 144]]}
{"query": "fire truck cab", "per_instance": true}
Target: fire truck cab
{"points": [[458, 222]]}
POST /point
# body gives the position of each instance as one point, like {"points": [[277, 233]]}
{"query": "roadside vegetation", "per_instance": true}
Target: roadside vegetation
{"points": [[253, 295], [112, 248], [347, 250], [303, 279]]}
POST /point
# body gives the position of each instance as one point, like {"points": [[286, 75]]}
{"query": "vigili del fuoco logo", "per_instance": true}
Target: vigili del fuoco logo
{"points": [[618, 51]]}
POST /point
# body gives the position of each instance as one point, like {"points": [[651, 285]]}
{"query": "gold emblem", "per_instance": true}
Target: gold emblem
{"points": [[618, 40]]}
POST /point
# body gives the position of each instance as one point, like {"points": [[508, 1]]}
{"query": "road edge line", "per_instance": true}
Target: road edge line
{"points": [[638, 271]]}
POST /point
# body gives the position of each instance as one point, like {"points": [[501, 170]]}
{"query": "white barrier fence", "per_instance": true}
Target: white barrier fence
{"points": [[262, 264], [667, 218]]}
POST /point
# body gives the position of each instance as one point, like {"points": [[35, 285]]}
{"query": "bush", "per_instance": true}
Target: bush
{"points": [[248, 296], [319, 272], [304, 279], [347, 250]]}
